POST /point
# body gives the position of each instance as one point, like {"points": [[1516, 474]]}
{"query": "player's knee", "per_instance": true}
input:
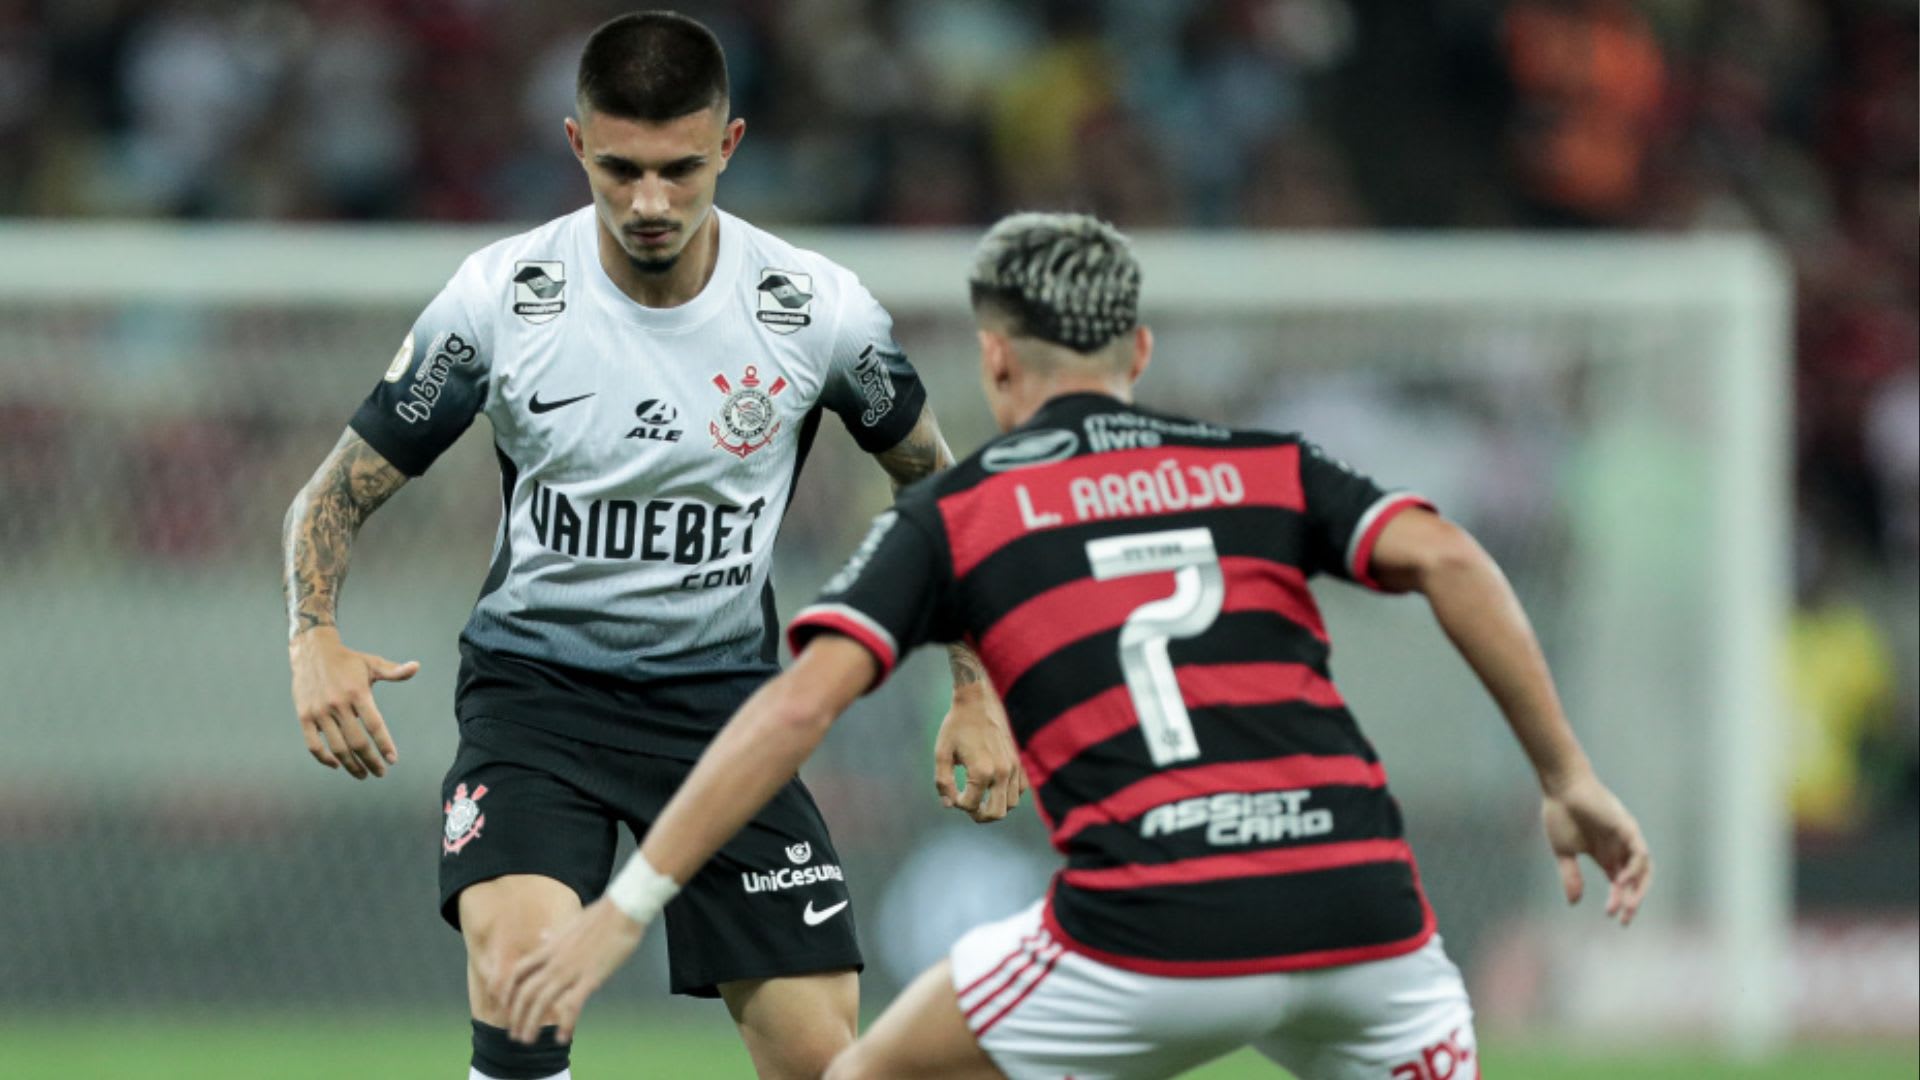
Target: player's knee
{"points": [[494, 947], [814, 1053], [493, 965], [854, 1062]]}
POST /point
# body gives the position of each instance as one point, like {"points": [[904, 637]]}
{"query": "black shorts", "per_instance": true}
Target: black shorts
{"points": [[520, 800]]}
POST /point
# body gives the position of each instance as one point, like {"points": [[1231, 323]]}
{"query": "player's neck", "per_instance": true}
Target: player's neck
{"points": [[672, 287], [1039, 394]]}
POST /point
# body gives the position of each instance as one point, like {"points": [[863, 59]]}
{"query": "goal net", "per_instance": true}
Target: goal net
{"points": [[1608, 416]]}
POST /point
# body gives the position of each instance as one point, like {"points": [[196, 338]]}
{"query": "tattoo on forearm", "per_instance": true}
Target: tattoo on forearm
{"points": [[921, 454], [967, 669], [350, 485]]}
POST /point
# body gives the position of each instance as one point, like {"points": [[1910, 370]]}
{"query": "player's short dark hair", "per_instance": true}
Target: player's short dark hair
{"points": [[1068, 279], [654, 66]]}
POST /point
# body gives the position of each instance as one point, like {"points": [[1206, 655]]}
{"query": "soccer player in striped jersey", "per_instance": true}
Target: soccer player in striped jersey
{"points": [[1137, 587]]}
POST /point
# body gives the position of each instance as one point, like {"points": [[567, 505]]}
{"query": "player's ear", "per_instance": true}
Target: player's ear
{"points": [[730, 137], [576, 140], [996, 359], [1142, 353]]}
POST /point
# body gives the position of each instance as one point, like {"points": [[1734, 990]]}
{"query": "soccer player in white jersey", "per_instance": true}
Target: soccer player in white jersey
{"points": [[654, 370], [1235, 869]]}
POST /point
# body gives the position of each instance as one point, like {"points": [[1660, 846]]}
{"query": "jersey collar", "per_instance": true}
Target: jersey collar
{"points": [[711, 299]]}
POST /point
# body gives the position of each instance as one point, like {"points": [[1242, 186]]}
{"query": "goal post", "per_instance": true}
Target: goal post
{"points": [[1610, 414]]}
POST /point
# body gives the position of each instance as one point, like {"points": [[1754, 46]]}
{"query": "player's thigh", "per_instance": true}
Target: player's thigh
{"points": [[921, 1034], [772, 903], [503, 920], [794, 1025], [1405, 1018], [522, 844]]}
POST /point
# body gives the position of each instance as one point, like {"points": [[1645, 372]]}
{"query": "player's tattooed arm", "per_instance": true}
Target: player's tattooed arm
{"points": [[921, 454], [326, 515], [975, 734], [332, 684], [967, 670]]}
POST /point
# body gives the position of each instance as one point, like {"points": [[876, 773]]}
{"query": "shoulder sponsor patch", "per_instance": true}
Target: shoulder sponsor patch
{"points": [[785, 300], [539, 289], [1031, 449]]}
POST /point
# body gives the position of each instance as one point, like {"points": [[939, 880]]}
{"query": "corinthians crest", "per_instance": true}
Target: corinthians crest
{"points": [[748, 420], [464, 818]]}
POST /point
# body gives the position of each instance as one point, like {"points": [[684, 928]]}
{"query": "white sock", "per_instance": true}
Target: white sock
{"points": [[476, 1074]]}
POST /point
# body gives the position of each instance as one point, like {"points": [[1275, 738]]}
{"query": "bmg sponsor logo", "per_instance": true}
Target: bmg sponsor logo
{"points": [[431, 379], [875, 382]]}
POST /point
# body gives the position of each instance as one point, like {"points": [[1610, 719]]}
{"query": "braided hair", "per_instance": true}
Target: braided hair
{"points": [[1067, 279]]}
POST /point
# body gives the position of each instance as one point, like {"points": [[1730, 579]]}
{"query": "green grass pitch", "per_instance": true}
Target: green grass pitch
{"points": [[329, 1046]]}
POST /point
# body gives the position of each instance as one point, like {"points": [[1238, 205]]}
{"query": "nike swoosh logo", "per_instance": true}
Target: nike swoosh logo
{"points": [[536, 406], [815, 918]]}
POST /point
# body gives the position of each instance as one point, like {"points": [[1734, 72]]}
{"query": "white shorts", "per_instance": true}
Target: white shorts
{"points": [[1042, 1012]]}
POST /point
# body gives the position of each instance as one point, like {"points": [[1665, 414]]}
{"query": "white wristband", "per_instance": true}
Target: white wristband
{"points": [[640, 891]]}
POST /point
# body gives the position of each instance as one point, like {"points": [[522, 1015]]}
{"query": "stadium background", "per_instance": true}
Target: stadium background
{"points": [[180, 888]]}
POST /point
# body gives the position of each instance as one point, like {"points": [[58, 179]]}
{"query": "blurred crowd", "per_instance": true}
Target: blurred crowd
{"points": [[1797, 118]]}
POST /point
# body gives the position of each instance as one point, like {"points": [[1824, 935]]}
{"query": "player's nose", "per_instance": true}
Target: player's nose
{"points": [[650, 199]]}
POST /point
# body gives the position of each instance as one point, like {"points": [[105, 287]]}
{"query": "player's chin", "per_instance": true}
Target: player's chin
{"points": [[651, 256], [652, 261]]}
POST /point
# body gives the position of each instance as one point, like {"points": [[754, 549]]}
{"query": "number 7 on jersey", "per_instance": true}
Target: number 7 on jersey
{"points": [[1199, 590]]}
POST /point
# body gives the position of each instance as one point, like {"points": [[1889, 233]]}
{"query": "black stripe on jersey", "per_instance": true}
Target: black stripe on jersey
{"points": [[1247, 918], [1045, 560], [1358, 813], [809, 428], [503, 556], [1225, 734], [1078, 671], [769, 609]]}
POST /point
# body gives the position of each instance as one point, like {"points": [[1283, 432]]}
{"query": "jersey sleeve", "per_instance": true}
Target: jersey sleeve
{"points": [[890, 597], [871, 384], [1346, 512], [435, 385]]}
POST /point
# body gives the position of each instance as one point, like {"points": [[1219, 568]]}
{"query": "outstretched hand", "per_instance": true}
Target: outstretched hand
{"points": [[333, 698], [1584, 818], [551, 984], [975, 736]]}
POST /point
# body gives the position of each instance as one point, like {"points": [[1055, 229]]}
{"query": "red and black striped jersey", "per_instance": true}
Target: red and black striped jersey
{"points": [[1136, 585]]}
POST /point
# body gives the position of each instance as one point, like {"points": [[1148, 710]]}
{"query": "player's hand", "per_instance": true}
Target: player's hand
{"points": [[975, 735], [333, 697], [1584, 818], [551, 984]]}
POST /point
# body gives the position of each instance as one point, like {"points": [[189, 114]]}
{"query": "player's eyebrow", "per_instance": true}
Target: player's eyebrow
{"points": [[691, 161]]}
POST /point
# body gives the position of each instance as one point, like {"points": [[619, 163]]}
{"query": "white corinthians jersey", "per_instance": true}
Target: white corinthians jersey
{"points": [[647, 456]]}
